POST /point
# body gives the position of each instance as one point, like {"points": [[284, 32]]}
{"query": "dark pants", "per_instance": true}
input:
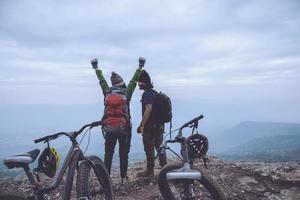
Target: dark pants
{"points": [[124, 147], [152, 139]]}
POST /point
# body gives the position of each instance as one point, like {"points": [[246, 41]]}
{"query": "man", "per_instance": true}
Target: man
{"points": [[151, 130], [116, 119]]}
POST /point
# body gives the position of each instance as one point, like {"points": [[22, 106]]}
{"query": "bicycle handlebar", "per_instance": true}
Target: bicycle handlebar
{"points": [[171, 141], [178, 138], [91, 125], [189, 123], [49, 137], [56, 135]]}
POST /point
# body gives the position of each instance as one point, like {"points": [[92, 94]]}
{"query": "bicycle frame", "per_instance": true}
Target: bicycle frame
{"points": [[74, 156], [70, 162], [184, 173]]}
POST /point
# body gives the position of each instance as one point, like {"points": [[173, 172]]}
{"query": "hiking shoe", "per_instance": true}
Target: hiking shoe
{"points": [[146, 173], [124, 180]]}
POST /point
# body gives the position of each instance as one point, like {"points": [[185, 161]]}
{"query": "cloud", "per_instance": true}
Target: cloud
{"points": [[197, 44]]}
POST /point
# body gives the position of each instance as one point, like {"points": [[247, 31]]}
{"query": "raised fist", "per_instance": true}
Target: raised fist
{"points": [[142, 61], [94, 63]]}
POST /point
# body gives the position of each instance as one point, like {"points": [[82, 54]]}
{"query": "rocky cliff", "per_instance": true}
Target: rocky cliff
{"points": [[240, 180]]}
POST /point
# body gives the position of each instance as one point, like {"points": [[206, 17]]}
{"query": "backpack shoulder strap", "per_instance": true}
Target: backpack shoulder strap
{"points": [[115, 90], [154, 92]]}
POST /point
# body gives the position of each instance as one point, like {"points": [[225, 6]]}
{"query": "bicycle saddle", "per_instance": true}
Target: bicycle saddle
{"points": [[21, 160]]}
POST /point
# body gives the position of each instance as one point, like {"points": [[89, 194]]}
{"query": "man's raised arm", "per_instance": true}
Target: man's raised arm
{"points": [[132, 84]]}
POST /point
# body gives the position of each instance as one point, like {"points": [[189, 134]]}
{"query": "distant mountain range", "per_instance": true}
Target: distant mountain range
{"points": [[260, 142], [20, 125]]}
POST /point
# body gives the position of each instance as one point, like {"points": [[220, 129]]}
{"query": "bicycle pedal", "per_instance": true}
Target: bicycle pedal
{"points": [[27, 187]]}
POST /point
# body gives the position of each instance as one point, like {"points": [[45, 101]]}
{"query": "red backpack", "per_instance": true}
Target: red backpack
{"points": [[116, 116]]}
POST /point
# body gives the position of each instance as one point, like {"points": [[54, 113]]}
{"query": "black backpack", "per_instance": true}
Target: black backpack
{"points": [[163, 108]]}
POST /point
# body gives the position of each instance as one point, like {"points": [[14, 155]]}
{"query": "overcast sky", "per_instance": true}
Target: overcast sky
{"points": [[221, 51]]}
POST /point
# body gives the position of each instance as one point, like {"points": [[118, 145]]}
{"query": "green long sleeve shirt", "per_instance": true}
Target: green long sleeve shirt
{"points": [[130, 88]]}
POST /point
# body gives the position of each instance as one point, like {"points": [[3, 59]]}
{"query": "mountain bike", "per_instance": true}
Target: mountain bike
{"points": [[185, 180], [86, 166]]}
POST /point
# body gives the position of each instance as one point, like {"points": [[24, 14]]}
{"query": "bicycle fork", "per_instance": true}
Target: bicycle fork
{"points": [[188, 190], [187, 175]]}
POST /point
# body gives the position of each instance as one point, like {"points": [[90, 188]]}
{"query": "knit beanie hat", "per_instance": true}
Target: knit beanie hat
{"points": [[116, 80]]}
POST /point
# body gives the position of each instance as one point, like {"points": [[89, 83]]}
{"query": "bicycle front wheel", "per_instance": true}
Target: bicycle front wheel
{"points": [[205, 188], [94, 182]]}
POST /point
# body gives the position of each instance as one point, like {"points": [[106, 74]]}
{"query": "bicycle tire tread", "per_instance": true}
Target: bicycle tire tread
{"points": [[207, 181], [213, 187], [82, 181]]}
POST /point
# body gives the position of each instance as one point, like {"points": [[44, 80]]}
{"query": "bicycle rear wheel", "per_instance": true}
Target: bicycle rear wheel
{"points": [[205, 188], [94, 183]]}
